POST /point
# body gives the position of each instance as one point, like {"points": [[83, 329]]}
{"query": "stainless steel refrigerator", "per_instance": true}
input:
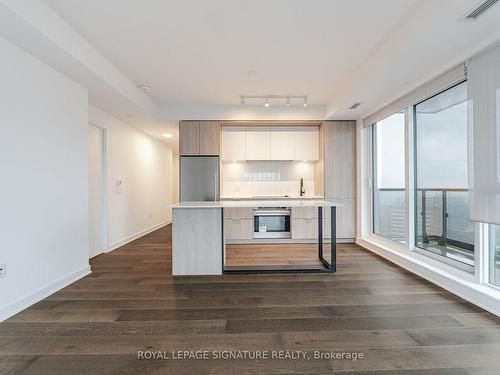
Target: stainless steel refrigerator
{"points": [[199, 178]]}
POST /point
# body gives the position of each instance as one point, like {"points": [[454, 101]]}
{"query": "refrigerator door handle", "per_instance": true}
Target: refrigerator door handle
{"points": [[215, 186]]}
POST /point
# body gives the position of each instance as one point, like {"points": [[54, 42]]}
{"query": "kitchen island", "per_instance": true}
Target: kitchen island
{"points": [[198, 244]]}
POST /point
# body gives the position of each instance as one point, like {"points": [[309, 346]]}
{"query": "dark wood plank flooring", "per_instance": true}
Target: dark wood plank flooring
{"points": [[274, 256], [401, 323]]}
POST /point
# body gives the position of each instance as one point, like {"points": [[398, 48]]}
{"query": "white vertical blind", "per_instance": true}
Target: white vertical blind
{"points": [[484, 130]]}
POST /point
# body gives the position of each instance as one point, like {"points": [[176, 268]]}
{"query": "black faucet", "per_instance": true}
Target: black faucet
{"points": [[302, 189]]}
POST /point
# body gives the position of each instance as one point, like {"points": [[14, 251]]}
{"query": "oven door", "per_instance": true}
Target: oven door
{"points": [[271, 223]]}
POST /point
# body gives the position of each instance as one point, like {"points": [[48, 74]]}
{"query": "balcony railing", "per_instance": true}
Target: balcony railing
{"points": [[442, 217]]}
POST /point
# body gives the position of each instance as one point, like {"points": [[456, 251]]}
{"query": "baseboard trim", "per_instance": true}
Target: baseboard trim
{"points": [[32, 298], [475, 293], [117, 244], [288, 240]]}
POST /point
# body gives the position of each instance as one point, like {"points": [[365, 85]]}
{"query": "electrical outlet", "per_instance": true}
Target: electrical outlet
{"points": [[3, 270]]}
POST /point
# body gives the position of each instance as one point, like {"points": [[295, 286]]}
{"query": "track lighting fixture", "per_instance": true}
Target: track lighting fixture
{"points": [[290, 100]]}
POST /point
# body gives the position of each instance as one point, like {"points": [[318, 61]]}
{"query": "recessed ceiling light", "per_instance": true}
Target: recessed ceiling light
{"points": [[167, 135], [145, 87]]}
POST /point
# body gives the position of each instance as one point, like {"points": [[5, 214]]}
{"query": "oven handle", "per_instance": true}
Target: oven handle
{"points": [[271, 212]]}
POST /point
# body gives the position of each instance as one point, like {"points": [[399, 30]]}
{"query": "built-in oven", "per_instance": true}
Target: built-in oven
{"points": [[271, 222]]}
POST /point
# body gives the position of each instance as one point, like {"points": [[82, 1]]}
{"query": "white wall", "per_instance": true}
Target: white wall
{"points": [[43, 173], [145, 167], [175, 171]]}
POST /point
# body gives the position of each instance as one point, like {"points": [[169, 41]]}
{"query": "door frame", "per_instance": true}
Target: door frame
{"points": [[104, 222]]}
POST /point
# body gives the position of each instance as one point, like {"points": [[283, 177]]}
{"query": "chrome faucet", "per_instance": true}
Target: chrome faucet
{"points": [[302, 189]]}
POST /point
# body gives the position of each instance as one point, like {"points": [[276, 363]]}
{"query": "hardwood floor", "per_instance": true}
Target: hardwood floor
{"points": [[242, 256], [401, 323]]}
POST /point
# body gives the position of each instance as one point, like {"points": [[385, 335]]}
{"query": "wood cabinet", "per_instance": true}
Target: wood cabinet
{"points": [[199, 138], [238, 213], [306, 143], [282, 143], [238, 229], [304, 229], [189, 137], [304, 223], [304, 212], [258, 143], [238, 223], [340, 174], [234, 143], [209, 138], [346, 220], [340, 159]]}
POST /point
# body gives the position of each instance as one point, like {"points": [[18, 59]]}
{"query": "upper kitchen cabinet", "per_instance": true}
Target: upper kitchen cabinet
{"points": [[282, 147], [259, 143], [189, 137], [340, 159], [199, 138], [234, 143], [209, 138], [306, 143]]}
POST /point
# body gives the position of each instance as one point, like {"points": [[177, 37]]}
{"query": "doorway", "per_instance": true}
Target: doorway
{"points": [[97, 191]]}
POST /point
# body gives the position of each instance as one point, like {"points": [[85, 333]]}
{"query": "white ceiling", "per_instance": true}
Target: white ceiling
{"points": [[199, 52], [196, 53]]}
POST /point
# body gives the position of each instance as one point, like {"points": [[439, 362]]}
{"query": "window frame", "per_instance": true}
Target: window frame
{"points": [[453, 262], [373, 177], [477, 274]]}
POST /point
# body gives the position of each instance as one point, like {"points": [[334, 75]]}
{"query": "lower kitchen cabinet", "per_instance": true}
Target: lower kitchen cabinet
{"points": [[304, 229], [305, 222], [238, 229], [346, 219], [238, 224]]}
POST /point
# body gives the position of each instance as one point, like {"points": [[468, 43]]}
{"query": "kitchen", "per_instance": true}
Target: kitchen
{"points": [[259, 196]]}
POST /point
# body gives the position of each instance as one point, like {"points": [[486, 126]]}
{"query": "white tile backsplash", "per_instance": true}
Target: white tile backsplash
{"points": [[248, 179]]}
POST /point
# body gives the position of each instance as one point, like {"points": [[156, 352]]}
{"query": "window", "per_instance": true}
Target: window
{"points": [[495, 255], [442, 197], [389, 208]]}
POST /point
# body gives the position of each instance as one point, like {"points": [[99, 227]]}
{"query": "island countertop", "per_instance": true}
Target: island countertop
{"points": [[257, 203]]}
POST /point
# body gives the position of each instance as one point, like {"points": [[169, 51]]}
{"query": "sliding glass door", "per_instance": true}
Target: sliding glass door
{"points": [[389, 207], [442, 197], [495, 255]]}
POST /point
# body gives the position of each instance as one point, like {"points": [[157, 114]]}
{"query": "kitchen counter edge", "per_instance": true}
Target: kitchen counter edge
{"points": [[258, 203]]}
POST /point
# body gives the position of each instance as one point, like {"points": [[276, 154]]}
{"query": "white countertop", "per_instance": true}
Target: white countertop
{"points": [[275, 197], [258, 203]]}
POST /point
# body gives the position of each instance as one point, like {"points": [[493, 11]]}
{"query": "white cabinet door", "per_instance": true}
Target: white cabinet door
{"points": [[258, 143], [282, 144], [306, 143], [234, 144]]}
